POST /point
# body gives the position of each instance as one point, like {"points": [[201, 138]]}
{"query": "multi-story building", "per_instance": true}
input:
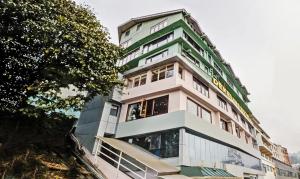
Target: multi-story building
{"points": [[182, 103]]}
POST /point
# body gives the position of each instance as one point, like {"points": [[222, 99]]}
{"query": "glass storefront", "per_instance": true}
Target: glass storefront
{"points": [[163, 144], [201, 149]]}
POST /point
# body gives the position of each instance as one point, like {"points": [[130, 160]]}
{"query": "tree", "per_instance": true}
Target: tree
{"points": [[50, 45]]}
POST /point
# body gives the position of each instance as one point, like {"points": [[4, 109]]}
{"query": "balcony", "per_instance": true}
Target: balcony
{"points": [[264, 145]]}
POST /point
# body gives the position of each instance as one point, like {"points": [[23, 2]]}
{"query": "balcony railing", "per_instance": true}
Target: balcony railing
{"points": [[124, 162]]}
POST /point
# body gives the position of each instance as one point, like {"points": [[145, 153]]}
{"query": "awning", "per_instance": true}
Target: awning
{"points": [[205, 172], [141, 156]]}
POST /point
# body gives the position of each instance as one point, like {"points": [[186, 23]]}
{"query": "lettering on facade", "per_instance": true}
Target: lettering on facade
{"points": [[226, 92]]}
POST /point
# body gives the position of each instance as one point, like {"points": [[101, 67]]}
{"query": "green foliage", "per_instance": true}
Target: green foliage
{"points": [[48, 45]]}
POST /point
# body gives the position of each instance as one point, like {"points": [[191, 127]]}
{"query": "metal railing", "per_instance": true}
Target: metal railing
{"points": [[123, 162]]}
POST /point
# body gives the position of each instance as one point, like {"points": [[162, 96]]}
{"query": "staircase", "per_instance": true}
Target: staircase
{"points": [[120, 160]]}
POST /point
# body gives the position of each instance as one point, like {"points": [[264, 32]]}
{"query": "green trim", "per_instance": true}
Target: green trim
{"points": [[134, 63], [186, 46], [155, 35], [200, 42], [196, 38], [194, 171]]}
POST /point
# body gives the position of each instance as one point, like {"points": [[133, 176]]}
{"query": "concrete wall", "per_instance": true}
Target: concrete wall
{"points": [[178, 100], [89, 122], [95, 119], [181, 119]]}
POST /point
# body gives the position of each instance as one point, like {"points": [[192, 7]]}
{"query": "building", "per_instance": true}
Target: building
{"points": [[182, 104]]}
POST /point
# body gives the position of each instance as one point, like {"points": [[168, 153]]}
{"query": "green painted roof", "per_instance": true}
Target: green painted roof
{"points": [[204, 171]]}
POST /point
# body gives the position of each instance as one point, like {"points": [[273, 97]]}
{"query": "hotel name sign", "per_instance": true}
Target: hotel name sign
{"points": [[226, 92]]}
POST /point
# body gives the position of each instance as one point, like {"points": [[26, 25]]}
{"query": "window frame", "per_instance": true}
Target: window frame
{"points": [[117, 110], [139, 26], [223, 102], [160, 25], [162, 70]]}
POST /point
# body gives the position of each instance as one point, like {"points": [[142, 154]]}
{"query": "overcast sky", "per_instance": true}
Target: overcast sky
{"points": [[260, 39]]}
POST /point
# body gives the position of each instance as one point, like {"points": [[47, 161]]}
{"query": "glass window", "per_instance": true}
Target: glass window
{"points": [[127, 32], [235, 114], [198, 110], [143, 79], [206, 115], [212, 152], [180, 72], [162, 144], [224, 125], [201, 87], [157, 57], [114, 110], [129, 85], [134, 111], [160, 105], [126, 43], [230, 82], [193, 43], [162, 73], [138, 27], [148, 108], [210, 59], [218, 69], [238, 132], [222, 103], [192, 107], [170, 71], [130, 56], [158, 42], [158, 26], [137, 80]]}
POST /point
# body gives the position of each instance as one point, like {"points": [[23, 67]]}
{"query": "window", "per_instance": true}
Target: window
{"points": [[137, 81], [206, 115], [230, 83], [132, 55], [114, 110], [243, 121], [157, 57], [192, 59], [198, 110], [218, 69], [158, 26], [158, 42], [134, 111], [222, 103], [206, 70], [238, 132], [251, 129], [163, 72], [235, 114], [138, 27], [127, 32], [180, 72], [210, 59], [246, 139], [193, 43], [162, 144], [201, 87], [126, 43], [202, 148], [148, 108], [224, 125]]}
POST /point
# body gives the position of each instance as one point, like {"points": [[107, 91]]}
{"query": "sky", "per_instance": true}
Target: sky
{"points": [[260, 39]]}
